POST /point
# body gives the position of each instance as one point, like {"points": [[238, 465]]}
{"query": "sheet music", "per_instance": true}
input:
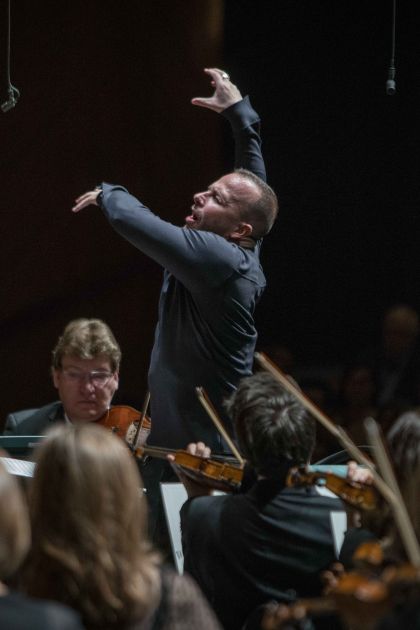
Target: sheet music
{"points": [[174, 496], [339, 528], [18, 467]]}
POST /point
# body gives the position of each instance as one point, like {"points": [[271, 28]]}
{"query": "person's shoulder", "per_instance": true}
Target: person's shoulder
{"points": [[61, 617], [204, 513], [187, 606], [30, 421], [47, 410], [16, 609], [208, 240], [215, 256], [199, 506], [215, 248], [314, 497]]}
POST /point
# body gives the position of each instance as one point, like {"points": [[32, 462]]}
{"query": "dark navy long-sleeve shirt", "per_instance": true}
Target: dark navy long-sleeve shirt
{"points": [[205, 334]]}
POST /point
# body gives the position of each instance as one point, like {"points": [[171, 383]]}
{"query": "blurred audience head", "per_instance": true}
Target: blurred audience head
{"points": [[14, 525], [357, 387], [400, 329], [404, 448], [281, 355], [90, 548]]}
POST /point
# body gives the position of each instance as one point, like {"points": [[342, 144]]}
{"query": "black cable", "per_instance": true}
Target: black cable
{"points": [[12, 91]]}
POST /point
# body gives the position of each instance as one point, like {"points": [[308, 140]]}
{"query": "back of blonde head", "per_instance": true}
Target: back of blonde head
{"points": [[88, 513], [14, 525]]}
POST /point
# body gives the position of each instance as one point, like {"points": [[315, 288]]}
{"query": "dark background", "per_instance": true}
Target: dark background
{"points": [[105, 89]]}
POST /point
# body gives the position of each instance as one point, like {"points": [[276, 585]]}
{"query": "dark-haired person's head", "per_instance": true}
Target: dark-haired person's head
{"points": [[274, 430]]}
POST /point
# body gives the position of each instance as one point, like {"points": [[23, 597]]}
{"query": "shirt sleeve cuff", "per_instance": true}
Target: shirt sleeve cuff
{"points": [[241, 114]]}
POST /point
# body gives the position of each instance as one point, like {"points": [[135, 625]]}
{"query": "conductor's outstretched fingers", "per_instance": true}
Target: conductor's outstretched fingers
{"points": [[225, 92]]}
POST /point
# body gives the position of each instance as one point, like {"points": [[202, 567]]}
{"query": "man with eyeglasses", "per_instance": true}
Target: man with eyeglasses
{"points": [[85, 369]]}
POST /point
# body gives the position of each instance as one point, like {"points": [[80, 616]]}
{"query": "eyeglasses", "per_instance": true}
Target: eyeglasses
{"points": [[98, 378]]}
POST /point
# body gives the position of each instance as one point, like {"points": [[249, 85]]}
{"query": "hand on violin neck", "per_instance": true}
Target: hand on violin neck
{"points": [[193, 487], [359, 474], [199, 449]]}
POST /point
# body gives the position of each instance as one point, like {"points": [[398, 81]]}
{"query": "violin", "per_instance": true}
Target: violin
{"points": [[213, 473], [361, 597], [360, 601], [123, 420], [356, 494]]}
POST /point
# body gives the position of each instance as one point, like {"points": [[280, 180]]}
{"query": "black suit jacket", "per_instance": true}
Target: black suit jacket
{"points": [[19, 613], [34, 421], [267, 544]]}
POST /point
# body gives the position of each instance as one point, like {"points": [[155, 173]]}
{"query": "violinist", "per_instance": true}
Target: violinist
{"points": [[403, 441], [85, 370], [385, 561], [270, 542]]}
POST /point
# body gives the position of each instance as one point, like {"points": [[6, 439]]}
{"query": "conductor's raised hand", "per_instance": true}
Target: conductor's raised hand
{"points": [[225, 92], [87, 199]]}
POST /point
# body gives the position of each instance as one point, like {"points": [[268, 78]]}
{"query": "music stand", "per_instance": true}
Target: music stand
{"points": [[19, 446]]}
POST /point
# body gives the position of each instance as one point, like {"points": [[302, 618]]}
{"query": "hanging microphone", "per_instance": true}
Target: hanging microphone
{"points": [[13, 94], [390, 84]]}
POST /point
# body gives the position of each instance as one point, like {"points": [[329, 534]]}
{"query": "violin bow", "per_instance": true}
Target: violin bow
{"points": [[212, 413], [402, 518], [342, 437], [141, 419]]}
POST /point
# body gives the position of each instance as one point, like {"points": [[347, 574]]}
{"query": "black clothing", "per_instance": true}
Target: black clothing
{"points": [[22, 613], [34, 421], [205, 335], [353, 538], [404, 616], [267, 544]]}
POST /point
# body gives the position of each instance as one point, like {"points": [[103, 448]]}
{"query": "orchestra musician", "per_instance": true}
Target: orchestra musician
{"points": [[271, 542], [380, 589], [85, 372]]}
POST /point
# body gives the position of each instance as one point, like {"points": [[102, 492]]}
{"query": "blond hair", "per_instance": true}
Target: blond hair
{"points": [[14, 524], [90, 549]]}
